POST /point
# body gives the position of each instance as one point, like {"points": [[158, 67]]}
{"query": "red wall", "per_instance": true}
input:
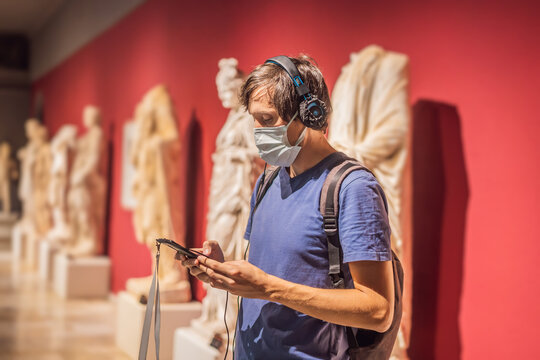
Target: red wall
{"points": [[481, 57]]}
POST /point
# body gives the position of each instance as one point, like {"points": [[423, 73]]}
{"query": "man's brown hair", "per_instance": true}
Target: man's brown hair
{"points": [[280, 87]]}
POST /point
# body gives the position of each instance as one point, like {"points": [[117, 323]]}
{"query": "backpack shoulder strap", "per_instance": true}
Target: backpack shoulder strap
{"points": [[268, 177], [329, 208]]}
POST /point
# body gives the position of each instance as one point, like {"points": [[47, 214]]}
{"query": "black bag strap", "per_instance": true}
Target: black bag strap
{"points": [[329, 208], [268, 177]]}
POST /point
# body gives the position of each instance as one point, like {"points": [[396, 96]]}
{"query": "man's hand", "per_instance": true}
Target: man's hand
{"points": [[237, 277], [210, 249]]}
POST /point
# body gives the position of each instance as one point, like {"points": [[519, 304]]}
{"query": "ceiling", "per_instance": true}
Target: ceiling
{"points": [[26, 16]]}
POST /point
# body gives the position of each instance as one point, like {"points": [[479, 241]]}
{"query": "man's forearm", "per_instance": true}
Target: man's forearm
{"points": [[361, 308]]}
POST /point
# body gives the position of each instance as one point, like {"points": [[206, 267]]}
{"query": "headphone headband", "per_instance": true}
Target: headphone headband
{"points": [[312, 111], [286, 64]]}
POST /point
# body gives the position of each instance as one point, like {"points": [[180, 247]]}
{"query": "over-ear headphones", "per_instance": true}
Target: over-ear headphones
{"points": [[312, 111]]}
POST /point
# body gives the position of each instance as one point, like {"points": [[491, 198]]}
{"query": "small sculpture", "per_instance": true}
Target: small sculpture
{"points": [[155, 156], [87, 188], [370, 122], [27, 158], [233, 176], [41, 177], [63, 151], [8, 172]]}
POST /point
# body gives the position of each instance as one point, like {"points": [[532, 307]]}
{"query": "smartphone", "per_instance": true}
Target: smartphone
{"points": [[190, 254]]}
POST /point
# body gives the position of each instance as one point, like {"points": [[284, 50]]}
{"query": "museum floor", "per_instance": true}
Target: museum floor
{"points": [[35, 324]]}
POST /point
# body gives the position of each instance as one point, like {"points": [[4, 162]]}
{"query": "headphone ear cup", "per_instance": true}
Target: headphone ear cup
{"points": [[312, 113]]}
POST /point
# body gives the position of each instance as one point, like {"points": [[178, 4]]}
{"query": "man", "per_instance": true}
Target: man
{"points": [[290, 309]]}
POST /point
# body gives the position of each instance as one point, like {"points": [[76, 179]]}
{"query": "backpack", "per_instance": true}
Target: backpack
{"points": [[366, 344]]}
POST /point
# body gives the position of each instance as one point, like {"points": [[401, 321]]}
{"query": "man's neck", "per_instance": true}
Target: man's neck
{"points": [[315, 147]]}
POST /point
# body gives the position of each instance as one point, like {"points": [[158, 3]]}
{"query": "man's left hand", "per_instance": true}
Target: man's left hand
{"points": [[237, 277]]}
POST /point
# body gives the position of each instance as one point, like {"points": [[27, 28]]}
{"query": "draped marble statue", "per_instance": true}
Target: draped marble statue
{"points": [[88, 188], [8, 172], [233, 175], [370, 122], [156, 158], [35, 159], [63, 152], [27, 158], [41, 178]]}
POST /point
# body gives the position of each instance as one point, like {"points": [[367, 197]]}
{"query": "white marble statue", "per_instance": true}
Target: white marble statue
{"points": [[63, 151], [40, 184], [370, 122], [27, 159], [8, 172], [233, 176], [35, 160], [87, 189], [156, 159]]}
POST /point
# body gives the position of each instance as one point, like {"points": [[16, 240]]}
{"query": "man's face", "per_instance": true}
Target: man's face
{"points": [[263, 111], [265, 115]]}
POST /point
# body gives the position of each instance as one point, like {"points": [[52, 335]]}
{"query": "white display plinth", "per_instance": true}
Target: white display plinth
{"points": [[31, 253], [7, 222], [47, 251], [189, 344], [129, 324], [81, 277], [17, 247]]}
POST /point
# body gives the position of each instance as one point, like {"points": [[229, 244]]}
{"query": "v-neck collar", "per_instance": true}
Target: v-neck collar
{"points": [[289, 185]]}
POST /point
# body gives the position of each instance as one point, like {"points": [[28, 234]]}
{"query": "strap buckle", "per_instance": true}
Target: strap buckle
{"points": [[337, 281], [330, 225]]}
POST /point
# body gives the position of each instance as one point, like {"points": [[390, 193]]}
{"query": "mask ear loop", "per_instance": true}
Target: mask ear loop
{"points": [[286, 137]]}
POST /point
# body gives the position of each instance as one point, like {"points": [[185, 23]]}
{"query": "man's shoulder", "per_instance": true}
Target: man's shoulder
{"points": [[361, 184], [359, 178]]}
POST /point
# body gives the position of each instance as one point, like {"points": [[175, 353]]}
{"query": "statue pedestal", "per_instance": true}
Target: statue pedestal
{"points": [[189, 344], [47, 252], [31, 252], [81, 277], [7, 222], [129, 324], [17, 247]]}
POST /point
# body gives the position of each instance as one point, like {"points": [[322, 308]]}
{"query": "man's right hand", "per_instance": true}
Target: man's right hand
{"points": [[212, 250]]}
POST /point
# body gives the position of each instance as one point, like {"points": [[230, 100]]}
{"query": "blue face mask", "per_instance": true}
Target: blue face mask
{"points": [[273, 144]]}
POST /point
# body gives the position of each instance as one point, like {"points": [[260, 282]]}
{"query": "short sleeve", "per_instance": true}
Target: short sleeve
{"points": [[364, 230], [247, 233]]}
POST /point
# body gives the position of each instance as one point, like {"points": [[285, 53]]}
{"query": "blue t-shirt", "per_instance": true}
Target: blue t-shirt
{"points": [[287, 240]]}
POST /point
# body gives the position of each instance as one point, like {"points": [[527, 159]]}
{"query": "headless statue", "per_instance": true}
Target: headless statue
{"points": [[27, 158], [370, 122], [41, 177], [87, 189], [8, 172], [35, 159], [155, 157], [233, 176], [63, 151]]}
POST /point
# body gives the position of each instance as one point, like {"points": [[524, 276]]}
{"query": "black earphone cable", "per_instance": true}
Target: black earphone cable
{"points": [[226, 327]]}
